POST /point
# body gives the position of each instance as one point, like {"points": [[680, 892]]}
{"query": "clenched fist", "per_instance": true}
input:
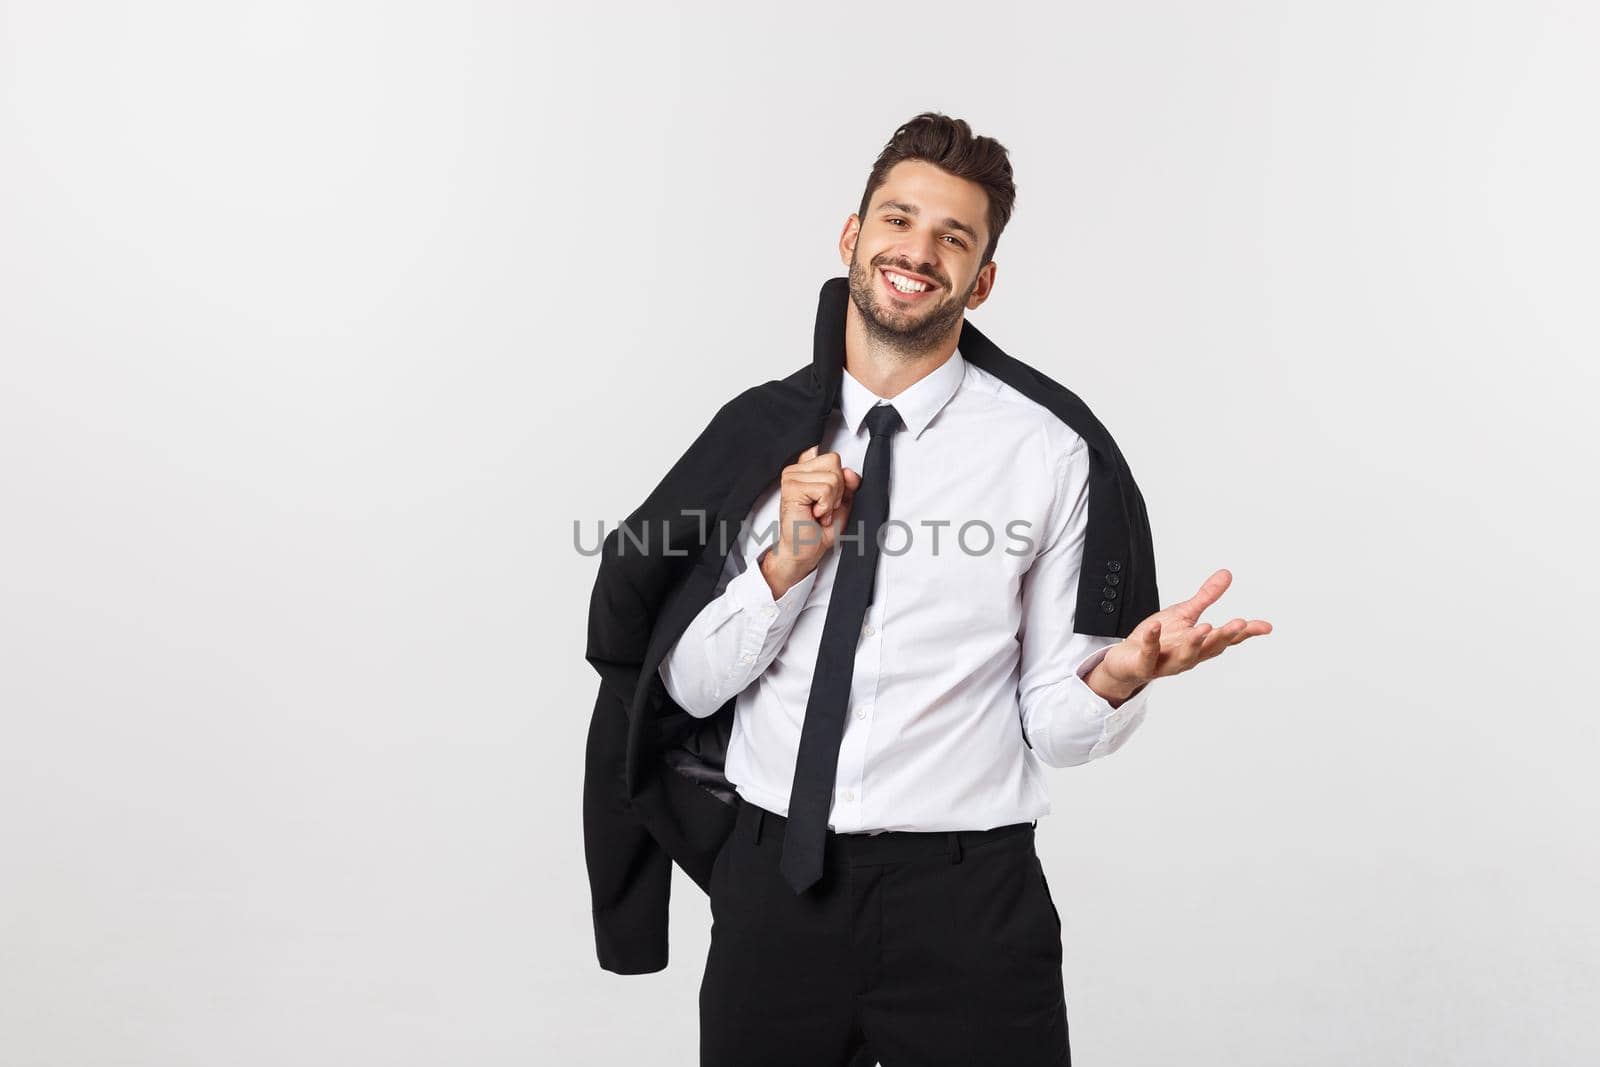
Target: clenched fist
{"points": [[813, 504]]}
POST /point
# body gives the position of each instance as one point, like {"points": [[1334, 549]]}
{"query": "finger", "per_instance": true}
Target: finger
{"points": [[1248, 630], [1189, 653], [840, 490], [1221, 638], [1173, 634], [814, 485], [807, 503], [822, 461], [836, 503], [1150, 648], [1238, 631], [1255, 628], [813, 497], [1233, 626], [808, 455], [1212, 588]]}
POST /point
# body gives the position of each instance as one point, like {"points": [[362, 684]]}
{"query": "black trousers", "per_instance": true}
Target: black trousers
{"points": [[914, 950]]}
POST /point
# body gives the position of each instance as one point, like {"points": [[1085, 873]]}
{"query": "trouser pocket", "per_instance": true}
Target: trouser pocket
{"points": [[1045, 884]]}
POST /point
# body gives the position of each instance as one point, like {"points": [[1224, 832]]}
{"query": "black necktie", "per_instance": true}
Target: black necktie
{"points": [[811, 796]]}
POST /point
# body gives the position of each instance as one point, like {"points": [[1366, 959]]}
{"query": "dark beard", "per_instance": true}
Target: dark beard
{"points": [[886, 326]]}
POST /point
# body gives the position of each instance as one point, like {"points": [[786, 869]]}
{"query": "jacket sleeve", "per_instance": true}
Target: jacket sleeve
{"points": [[630, 876], [641, 563]]}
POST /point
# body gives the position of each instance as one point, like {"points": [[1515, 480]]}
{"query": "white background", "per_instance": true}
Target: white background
{"points": [[322, 323]]}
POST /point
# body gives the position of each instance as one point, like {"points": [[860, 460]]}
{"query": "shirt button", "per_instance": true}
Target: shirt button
{"points": [[868, 630], [747, 658], [861, 713], [769, 611], [848, 795]]}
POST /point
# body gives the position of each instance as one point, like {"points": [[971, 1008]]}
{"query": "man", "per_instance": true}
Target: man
{"points": [[899, 630]]}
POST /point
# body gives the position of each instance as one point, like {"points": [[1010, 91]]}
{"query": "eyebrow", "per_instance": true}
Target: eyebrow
{"points": [[912, 209]]}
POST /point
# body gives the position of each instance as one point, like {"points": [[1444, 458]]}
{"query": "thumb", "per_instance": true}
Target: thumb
{"points": [[810, 453], [1150, 649]]}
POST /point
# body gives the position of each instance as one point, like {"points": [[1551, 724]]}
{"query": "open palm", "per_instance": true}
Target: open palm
{"points": [[1174, 639]]}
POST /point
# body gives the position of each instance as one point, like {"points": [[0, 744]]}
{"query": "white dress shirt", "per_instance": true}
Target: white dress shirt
{"points": [[966, 656]]}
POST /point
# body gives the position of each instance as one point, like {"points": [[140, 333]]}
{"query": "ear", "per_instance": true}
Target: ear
{"points": [[983, 285], [847, 239]]}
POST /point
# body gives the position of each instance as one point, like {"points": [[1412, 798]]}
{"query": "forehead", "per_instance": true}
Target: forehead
{"points": [[935, 194]]}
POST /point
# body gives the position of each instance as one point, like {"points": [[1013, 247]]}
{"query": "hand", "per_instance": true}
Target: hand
{"points": [[813, 504], [1170, 642]]}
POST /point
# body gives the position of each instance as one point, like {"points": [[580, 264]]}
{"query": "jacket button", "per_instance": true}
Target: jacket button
{"points": [[1109, 593], [1114, 565], [1107, 606], [1113, 579]]}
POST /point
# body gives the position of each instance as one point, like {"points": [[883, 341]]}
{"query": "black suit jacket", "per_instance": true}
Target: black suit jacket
{"points": [[654, 792]]}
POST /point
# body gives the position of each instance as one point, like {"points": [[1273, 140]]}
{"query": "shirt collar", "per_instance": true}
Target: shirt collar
{"points": [[917, 404]]}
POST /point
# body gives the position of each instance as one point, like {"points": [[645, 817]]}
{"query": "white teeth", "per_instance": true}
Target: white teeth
{"points": [[904, 284]]}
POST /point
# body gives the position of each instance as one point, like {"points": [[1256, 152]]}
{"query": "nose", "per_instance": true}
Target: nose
{"points": [[926, 244], [920, 253]]}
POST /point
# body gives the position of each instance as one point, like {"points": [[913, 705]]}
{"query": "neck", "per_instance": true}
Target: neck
{"points": [[884, 369]]}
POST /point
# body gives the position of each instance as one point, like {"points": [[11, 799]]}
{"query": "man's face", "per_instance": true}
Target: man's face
{"points": [[927, 226]]}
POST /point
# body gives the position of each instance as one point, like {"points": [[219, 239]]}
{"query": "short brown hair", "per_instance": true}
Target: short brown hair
{"points": [[950, 145]]}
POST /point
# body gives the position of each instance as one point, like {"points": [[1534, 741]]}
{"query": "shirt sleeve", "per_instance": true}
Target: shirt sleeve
{"points": [[1064, 721], [734, 637]]}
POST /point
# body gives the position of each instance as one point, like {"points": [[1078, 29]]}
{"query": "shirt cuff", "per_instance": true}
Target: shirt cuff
{"points": [[765, 622], [1114, 720], [752, 593]]}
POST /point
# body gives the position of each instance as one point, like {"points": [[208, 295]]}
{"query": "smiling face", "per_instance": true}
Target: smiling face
{"points": [[914, 257]]}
